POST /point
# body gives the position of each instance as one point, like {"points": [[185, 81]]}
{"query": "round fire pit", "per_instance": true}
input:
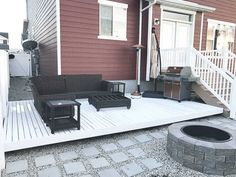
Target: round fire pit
{"points": [[206, 133], [203, 147]]}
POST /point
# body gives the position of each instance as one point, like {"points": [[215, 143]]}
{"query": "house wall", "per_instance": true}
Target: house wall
{"points": [[42, 28], [83, 52], [224, 12]]}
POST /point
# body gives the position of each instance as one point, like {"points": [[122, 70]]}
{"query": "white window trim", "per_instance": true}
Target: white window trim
{"points": [[221, 22], [113, 4], [173, 9], [112, 38]]}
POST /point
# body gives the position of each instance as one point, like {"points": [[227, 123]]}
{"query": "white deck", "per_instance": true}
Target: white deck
{"points": [[24, 127]]}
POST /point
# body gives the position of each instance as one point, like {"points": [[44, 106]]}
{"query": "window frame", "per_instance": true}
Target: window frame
{"points": [[212, 21], [116, 5]]}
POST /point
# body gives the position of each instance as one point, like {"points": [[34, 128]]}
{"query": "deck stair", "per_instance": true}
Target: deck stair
{"points": [[215, 82], [208, 97], [215, 70]]}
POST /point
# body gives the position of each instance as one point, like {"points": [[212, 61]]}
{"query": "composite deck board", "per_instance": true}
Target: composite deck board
{"points": [[24, 128]]}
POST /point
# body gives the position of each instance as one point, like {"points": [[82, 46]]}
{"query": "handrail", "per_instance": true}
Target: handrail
{"points": [[213, 78], [223, 59], [231, 63]]}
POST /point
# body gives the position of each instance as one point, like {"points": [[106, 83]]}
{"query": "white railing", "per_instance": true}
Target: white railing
{"points": [[4, 87], [231, 63], [213, 77], [175, 57], [223, 59]]}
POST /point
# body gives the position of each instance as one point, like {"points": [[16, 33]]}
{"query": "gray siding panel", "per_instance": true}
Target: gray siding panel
{"points": [[43, 29]]}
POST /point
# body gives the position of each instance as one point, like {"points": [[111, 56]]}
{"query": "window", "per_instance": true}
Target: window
{"points": [[177, 16], [220, 35], [176, 28], [112, 20]]}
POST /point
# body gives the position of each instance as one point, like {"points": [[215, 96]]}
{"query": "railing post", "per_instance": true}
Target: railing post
{"points": [[233, 100], [191, 58], [225, 59]]}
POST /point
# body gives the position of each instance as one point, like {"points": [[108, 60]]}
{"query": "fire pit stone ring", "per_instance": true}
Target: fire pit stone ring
{"points": [[203, 147]]}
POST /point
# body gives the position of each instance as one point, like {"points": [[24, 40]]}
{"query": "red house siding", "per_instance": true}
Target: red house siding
{"points": [[157, 14], [197, 31], [225, 11], [83, 52]]}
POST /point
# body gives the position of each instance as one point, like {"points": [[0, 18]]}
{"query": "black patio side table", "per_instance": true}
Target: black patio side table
{"points": [[118, 88], [60, 114]]}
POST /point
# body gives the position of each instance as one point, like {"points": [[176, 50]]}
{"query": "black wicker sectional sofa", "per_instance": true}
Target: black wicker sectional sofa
{"points": [[70, 87]]}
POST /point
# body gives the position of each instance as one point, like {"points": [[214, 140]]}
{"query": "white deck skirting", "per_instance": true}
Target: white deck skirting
{"points": [[24, 127]]}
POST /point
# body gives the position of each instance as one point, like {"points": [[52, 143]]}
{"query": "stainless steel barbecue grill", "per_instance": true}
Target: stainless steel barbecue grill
{"points": [[177, 84]]}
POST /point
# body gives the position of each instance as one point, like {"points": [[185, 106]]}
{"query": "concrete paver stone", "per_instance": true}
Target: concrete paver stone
{"points": [[74, 167], [109, 173], [126, 142], [50, 172], [99, 162], [91, 151], [109, 147], [16, 166], [143, 138], [151, 163], [68, 155], [119, 157], [131, 169], [137, 152]]}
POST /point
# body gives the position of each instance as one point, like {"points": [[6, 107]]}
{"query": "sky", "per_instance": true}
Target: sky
{"points": [[12, 15]]}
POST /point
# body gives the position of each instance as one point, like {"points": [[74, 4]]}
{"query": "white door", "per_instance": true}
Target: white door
{"points": [[175, 35], [183, 35], [168, 35]]}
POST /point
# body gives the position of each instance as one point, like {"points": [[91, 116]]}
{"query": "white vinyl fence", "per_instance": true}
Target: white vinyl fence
{"points": [[4, 87]]}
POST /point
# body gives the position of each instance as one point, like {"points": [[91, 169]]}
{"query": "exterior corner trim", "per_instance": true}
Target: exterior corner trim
{"points": [[58, 37]]}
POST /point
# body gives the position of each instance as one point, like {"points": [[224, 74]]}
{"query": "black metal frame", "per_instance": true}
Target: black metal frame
{"points": [[66, 117], [117, 86]]}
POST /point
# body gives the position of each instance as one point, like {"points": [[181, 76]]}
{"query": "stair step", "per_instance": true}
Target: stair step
{"points": [[212, 96], [206, 95], [219, 103], [226, 112]]}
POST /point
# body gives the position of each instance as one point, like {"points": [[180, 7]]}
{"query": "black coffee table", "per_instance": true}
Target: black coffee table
{"points": [[108, 101], [60, 114]]}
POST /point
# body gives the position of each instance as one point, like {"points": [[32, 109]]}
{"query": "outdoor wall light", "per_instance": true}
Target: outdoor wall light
{"points": [[156, 21]]}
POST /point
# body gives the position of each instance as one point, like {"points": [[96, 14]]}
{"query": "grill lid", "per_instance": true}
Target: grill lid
{"points": [[183, 72]]}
